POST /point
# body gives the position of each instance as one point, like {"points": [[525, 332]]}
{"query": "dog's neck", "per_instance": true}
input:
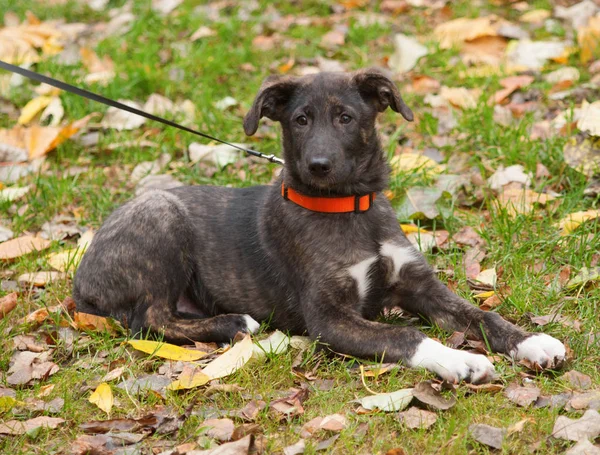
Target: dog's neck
{"points": [[371, 176]]}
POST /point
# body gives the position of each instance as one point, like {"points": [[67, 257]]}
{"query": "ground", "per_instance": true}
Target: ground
{"points": [[530, 261]]}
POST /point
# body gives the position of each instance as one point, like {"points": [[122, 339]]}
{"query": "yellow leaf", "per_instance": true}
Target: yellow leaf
{"points": [[231, 361], [484, 295], [67, 260], [33, 108], [166, 350], [588, 38], [415, 162], [572, 221], [188, 379], [102, 397], [457, 31], [411, 228], [20, 246], [535, 16]]}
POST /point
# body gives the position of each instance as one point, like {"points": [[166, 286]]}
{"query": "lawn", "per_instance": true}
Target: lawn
{"points": [[497, 159]]}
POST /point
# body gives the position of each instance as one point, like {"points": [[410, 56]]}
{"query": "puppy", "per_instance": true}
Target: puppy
{"points": [[319, 253]]}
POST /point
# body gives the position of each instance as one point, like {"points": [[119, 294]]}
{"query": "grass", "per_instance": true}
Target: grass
{"points": [[145, 60]]}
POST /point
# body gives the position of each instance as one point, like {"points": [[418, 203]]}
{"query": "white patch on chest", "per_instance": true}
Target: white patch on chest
{"points": [[400, 256], [360, 274]]}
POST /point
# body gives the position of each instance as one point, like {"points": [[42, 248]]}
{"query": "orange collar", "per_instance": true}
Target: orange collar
{"points": [[345, 204]]}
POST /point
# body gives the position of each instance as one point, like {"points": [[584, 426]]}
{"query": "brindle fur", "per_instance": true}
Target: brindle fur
{"points": [[189, 262]]}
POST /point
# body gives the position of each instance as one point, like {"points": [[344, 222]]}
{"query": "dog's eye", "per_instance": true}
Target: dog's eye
{"points": [[345, 119], [302, 120]]}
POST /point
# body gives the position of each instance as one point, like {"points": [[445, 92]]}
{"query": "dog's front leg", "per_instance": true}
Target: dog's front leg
{"points": [[421, 293], [333, 319]]}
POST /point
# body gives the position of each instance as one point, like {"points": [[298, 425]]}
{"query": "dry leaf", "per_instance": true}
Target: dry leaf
{"points": [[521, 200], [393, 401], [123, 120], [488, 435], [231, 361], [66, 261], [189, 379], [522, 396], [586, 427], [460, 96], [583, 447], [427, 394], [166, 350], [534, 54], [589, 118], [535, 16], [240, 447], [7, 304], [32, 108], [16, 427], [468, 236], [457, 31], [19, 44], [220, 429], [290, 406], [85, 321], [102, 397], [40, 279], [276, 343], [582, 152], [407, 52], [588, 38], [578, 380], [585, 400], [21, 246], [415, 163], [334, 423], [573, 220], [417, 418]]}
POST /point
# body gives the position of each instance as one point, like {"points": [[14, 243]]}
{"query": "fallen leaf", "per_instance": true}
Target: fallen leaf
{"points": [[40, 279], [578, 14], [32, 108], [457, 31], [7, 304], [220, 155], [102, 397], [291, 405], [21, 246], [412, 163], [557, 401], [166, 350], [485, 388], [586, 427], [488, 435], [165, 7], [240, 447], [584, 277], [485, 50], [388, 402], [19, 43], [123, 120], [295, 449], [490, 303], [66, 261], [534, 54], [471, 261], [17, 427], [427, 394], [487, 277], [417, 418], [333, 39], [99, 70], [13, 193], [189, 379], [277, 343], [422, 203], [564, 74], [468, 236], [578, 380], [251, 410], [504, 176], [407, 52], [202, 32], [220, 429], [589, 118], [583, 447], [585, 400], [155, 382], [522, 396], [582, 153], [535, 16], [588, 38], [231, 361], [91, 322], [334, 423], [460, 96], [113, 374], [521, 200], [573, 220]]}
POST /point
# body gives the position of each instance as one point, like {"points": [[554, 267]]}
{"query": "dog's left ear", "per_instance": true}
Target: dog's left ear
{"points": [[376, 86], [274, 92]]}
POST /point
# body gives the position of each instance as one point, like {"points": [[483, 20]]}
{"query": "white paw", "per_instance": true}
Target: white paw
{"points": [[451, 364], [542, 350], [251, 325]]}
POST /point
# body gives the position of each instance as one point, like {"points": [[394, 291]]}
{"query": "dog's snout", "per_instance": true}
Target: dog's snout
{"points": [[320, 167]]}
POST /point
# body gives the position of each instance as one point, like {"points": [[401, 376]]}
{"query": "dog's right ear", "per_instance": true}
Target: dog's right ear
{"points": [[274, 92]]}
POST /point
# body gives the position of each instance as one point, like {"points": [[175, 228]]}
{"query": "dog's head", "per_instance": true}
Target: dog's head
{"points": [[328, 122]]}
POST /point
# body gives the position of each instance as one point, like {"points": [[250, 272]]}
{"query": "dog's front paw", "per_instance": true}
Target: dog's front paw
{"points": [[451, 364], [541, 350], [252, 325]]}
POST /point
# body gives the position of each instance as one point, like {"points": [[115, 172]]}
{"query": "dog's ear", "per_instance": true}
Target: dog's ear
{"points": [[377, 87], [274, 92]]}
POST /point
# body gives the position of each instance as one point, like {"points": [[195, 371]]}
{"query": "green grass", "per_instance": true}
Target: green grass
{"points": [[144, 60]]}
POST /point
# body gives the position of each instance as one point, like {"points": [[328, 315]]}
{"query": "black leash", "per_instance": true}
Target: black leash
{"points": [[101, 99]]}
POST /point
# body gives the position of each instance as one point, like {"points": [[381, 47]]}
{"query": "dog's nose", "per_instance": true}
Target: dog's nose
{"points": [[319, 167]]}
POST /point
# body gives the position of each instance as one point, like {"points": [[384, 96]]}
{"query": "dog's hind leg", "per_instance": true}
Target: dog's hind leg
{"points": [[159, 319]]}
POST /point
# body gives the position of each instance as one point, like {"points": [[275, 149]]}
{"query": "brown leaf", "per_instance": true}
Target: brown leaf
{"points": [[468, 236], [250, 411], [263, 43], [241, 447], [555, 401], [490, 302], [578, 380], [7, 304], [488, 435], [510, 85], [455, 340], [485, 388], [333, 39], [471, 261], [221, 429], [290, 406], [417, 418], [91, 322], [394, 6], [295, 449], [245, 430], [16, 427], [21, 246], [585, 400], [522, 396], [584, 447], [26, 366], [40, 279], [518, 427], [427, 394], [586, 427], [334, 422], [397, 451], [149, 422]]}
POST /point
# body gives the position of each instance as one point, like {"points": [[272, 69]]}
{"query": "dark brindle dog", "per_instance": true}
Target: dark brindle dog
{"points": [[202, 263]]}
